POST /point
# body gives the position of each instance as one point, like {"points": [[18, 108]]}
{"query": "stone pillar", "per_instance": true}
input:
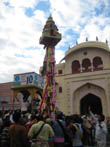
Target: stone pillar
{"points": [[92, 67], [108, 95], [32, 92], [80, 67]]}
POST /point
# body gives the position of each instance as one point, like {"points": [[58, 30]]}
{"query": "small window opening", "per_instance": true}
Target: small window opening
{"points": [[60, 71], [60, 89]]}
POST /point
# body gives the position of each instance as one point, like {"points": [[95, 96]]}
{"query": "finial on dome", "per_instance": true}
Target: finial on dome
{"points": [[76, 42], [50, 17], [96, 38], [69, 47], [106, 41], [86, 39]]}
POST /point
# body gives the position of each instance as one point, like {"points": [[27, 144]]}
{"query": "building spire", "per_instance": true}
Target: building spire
{"points": [[50, 15], [50, 34], [50, 38]]}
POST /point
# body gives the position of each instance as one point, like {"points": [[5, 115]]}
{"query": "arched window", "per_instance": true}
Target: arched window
{"points": [[60, 89], [75, 67], [97, 63], [86, 65]]}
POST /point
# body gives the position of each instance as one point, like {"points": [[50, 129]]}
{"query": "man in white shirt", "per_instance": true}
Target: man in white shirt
{"points": [[101, 129]]}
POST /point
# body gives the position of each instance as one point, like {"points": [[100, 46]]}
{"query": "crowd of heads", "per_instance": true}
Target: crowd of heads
{"points": [[18, 116], [22, 118]]}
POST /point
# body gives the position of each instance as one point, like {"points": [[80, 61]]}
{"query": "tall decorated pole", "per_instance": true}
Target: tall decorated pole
{"points": [[50, 37]]}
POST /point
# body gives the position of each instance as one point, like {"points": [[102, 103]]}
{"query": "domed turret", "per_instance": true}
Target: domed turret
{"points": [[50, 35]]}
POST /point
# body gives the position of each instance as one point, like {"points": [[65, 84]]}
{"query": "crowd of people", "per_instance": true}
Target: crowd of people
{"points": [[19, 129]]}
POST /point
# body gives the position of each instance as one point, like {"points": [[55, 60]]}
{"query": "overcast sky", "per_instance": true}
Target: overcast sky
{"points": [[22, 21]]}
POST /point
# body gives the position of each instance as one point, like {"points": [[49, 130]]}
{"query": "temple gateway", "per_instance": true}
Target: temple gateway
{"points": [[83, 79]]}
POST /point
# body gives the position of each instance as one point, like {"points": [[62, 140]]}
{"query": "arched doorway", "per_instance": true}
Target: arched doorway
{"points": [[92, 101], [25, 94], [96, 91]]}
